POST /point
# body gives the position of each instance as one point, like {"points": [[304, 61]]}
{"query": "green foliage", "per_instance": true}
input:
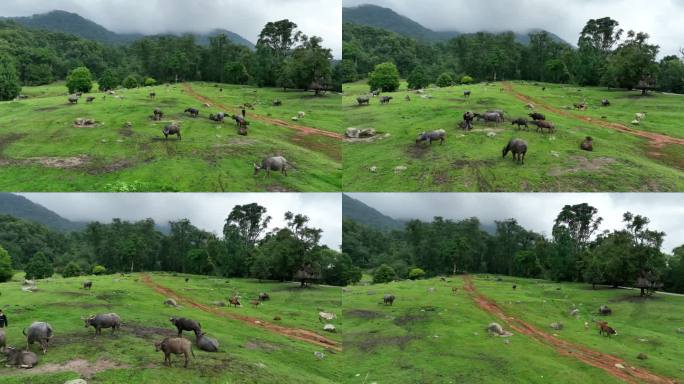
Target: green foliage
{"points": [[383, 274], [465, 79], [79, 80], [633, 60], [148, 82], [9, 81], [38, 74], [6, 271], [416, 273], [71, 270], [418, 79], [131, 81], [107, 81], [236, 73], [385, 77], [99, 270], [348, 70], [39, 267], [445, 80]]}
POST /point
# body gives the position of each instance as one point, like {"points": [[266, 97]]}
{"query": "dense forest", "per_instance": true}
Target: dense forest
{"points": [[574, 252], [247, 248], [605, 55], [284, 57]]}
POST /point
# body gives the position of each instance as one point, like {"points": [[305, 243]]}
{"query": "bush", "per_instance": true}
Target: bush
{"points": [[416, 273], [383, 274], [9, 80], [6, 271], [385, 77], [149, 82], [99, 270], [79, 80], [130, 82], [39, 267], [445, 80], [107, 81], [466, 79], [71, 270], [418, 79]]}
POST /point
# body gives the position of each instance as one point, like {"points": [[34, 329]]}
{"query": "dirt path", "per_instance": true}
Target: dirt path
{"points": [[301, 128], [594, 358], [657, 140], [294, 333]]}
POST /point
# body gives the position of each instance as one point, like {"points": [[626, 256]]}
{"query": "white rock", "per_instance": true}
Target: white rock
{"points": [[399, 168], [374, 169], [618, 365], [319, 355], [76, 381], [329, 328]]}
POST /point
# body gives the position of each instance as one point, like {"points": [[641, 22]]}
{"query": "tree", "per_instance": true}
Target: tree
{"points": [[149, 82], [131, 81], [383, 274], [385, 77], [348, 71], [580, 220], [312, 65], [418, 79], [445, 80], [671, 74], [236, 73], [71, 270], [416, 273], [107, 81], [79, 80], [465, 79], [9, 80], [6, 271], [39, 267], [632, 63]]}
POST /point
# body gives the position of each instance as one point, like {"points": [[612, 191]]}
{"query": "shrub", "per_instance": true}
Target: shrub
{"points": [[416, 273], [9, 80], [99, 270], [385, 77], [79, 80], [466, 79], [6, 271], [445, 80], [130, 82], [149, 82], [39, 267], [107, 81], [71, 270], [383, 274], [418, 79]]}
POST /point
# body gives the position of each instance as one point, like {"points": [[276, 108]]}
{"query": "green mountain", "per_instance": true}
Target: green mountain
{"points": [[23, 208], [386, 18], [72, 23], [355, 210]]}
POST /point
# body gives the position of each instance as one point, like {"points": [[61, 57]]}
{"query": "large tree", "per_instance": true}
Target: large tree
{"points": [[9, 80], [632, 63]]}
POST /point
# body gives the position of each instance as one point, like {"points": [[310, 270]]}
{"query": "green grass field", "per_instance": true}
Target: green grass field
{"points": [[249, 352], [42, 150], [440, 337], [621, 161]]}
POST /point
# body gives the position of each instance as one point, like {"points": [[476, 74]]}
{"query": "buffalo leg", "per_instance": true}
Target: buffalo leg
{"points": [[187, 358]]}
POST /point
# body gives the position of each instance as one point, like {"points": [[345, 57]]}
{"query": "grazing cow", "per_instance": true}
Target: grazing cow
{"points": [[87, 285], [263, 296], [40, 332], [172, 129], [183, 324], [466, 94], [177, 346], [192, 111], [604, 310], [439, 134], [388, 299], [73, 99], [543, 124], [605, 329], [490, 116], [375, 93], [21, 359], [520, 122], [514, 286], [536, 116], [605, 102], [273, 163], [385, 99], [104, 320], [90, 99], [234, 301], [361, 100], [206, 343], [587, 144], [518, 148]]}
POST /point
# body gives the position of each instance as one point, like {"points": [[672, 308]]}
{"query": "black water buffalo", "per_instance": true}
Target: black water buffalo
{"points": [[537, 116], [385, 99], [183, 324], [172, 129], [388, 299], [40, 332], [363, 100], [518, 148], [439, 134], [21, 359], [206, 343], [192, 111]]}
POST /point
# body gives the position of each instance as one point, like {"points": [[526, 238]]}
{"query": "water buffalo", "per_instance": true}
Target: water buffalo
{"points": [[490, 116], [263, 296], [376, 92], [518, 148], [183, 324], [587, 144], [73, 99], [177, 346], [206, 343], [520, 122], [466, 94], [240, 121], [363, 100], [543, 124], [172, 129], [87, 284], [40, 332], [218, 117], [153, 95], [604, 310], [385, 99], [90, 99], [537, 116], [273, 163], [277, 103], [468, 118], [388, 299], [21, 359], [580, 106], [192, 111], [439, 134], [605, 102], [234, 301], [103, 320]]}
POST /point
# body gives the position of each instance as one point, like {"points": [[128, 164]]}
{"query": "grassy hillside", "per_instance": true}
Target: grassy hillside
{"points": [[251, 350], [440, 337], [647, 157], [42, 150]]}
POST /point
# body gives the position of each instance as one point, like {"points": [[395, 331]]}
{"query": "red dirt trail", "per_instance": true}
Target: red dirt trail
{"points": [[594, 358], [301, 128], [656, 140], [294, 333]]}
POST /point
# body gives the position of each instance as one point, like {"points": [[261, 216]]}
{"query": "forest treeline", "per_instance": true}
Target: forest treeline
{"points": [[284, 57], [605, 55], [246, 248], [575, 251]]}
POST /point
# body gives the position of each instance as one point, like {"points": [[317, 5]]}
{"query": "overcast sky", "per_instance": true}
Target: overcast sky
{"points": [[660, 18], [536, 211], [314, 17], [207, 211]]}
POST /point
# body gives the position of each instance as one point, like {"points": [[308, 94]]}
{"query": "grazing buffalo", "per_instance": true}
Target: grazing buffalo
{"points": [[157, 114], [20, 359], [103, 320], [240, 121], [604, 328], [73, 99], [388, 299], [40, 332], [604, 310], [177, 346], [587, 144], [376, 92], [273, 163], [87, 284], [466, 94], [206, 343], [518, 148], [520, 122], [90, 99], [490, 116], [439, 134], [192, 111], [219, 117], [385, 99], [605, 102], [183, 324], [153, 95], [543, 124], [3, 340], [536, 116], [172, 129], [277, 103], [361, 100], [263, 296], [234, 301]]}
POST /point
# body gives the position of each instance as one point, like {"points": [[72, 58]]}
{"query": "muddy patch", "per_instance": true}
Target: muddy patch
{"points": [[277, 188], [113, 295], [61, 162], [100, 167], [262, 345], [7, 139], [84, 368], [410, 319], [418, 151], [126, 131], [582, 164], [441, 178], [73, 294], [364, 314], [148, 333]]}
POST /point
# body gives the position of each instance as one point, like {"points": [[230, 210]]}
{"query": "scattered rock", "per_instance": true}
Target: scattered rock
{"points": [[680, 330], [642, 356], [76, 381], [295, 118], [352, 133], [574, 312], [170, 302], [399, 168], [83, 122], [491, 134], [329, 328], [367, 132], [207, 105], [555, 154], [374, 169], [319, 355], [556, 326], [260, 365], [496, 330], [620, 366]]}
